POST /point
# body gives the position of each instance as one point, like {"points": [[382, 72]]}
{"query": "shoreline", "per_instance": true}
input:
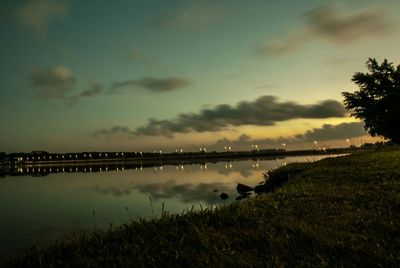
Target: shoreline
{"points": [[43, 168], [340, 211]]}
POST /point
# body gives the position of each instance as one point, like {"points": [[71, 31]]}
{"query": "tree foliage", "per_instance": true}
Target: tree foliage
{"points": [[377, 101]]}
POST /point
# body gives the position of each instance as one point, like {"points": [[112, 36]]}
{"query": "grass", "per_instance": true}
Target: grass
{"points": [[336, 212]]}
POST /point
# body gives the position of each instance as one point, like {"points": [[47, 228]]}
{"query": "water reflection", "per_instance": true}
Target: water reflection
{"points": [[115, 191], [42, 170], [63, 199], [187, 192]]}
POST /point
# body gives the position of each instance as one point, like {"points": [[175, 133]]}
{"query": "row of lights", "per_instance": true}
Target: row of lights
{"points": [[70, 169], [71, 156], [161, 168], [202, 149]]}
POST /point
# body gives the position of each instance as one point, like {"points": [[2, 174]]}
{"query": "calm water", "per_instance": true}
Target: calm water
{"points": [[36, 210]]}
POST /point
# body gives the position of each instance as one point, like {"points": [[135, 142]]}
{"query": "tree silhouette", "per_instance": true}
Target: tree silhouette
{"points": [[377, 101]]}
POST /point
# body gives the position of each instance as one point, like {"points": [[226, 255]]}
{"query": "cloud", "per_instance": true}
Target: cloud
{"points": [[114, 131], [94, 89], [334, 24], [334, 132], [192, 17], [58, 82], [326, 132], [52, 83], [264, 111], [152, 84], [38, 14]]}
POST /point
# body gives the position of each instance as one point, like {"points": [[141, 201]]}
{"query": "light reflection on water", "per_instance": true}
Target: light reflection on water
{"points": [[40, 209]]}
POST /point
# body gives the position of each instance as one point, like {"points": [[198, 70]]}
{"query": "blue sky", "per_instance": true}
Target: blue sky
{"points": [[144, 75]]}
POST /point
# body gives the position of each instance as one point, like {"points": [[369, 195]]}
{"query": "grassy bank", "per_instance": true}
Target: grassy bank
{"points": [[336, 212]]}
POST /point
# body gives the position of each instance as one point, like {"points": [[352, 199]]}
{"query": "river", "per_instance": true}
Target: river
{"points": [[38, 209]]}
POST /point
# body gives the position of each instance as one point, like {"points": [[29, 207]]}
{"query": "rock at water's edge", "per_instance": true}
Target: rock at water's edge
{"points": [[242, 188]]}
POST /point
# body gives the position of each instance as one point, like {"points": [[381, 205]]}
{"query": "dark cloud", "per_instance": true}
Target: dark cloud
{"points": [[326, 132], [114, 131], [244, 142], [58, 83], [264, 111], [52, 83], [191, 17], [334, 24], [95, 88], [334, 132], [38, 14], [152, 84]]}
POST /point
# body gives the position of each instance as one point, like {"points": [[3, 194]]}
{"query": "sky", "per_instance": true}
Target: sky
{"points": [[164, 75]]}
